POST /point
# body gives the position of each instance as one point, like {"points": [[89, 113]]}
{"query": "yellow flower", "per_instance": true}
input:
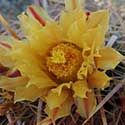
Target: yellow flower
{"points": [[62, 61]]}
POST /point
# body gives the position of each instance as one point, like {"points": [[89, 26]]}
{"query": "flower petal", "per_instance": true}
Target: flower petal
{"points": [[64, 23], [5, 47], [27, 93], [64, 110], [99, 17], [12, 83], [85, 106], [66, 107], [28, 62], [29, 25], [5, 60], [93, 39], [68, 18], [48, 36], [83, 71], [76, 30], [37, 36], [54, 100], [42, 81], [36, 76], [73, 4], [109, 58], [98, 80], [80, 88], [60, 87]]}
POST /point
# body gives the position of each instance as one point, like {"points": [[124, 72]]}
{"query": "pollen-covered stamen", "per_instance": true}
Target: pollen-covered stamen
{"points": [[64, 61]]}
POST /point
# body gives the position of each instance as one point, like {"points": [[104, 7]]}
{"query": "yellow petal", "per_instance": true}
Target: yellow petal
{"points": [[43, 40], [37, 35], [44, 93], [60, 87], [5, 60], [42, 81], [76, 30], [54, 100], [68, 18], [86, 67], [29, 25], [98, 80], [80, 89], [27, 93], [29, 64], [100, 17], [12, 83], [64, 110], [7, 40], [22, 51], [93, 39], [36, 75], [85, 106], [5, 48], [73, 4], [83, 71], [109, 59], [64, 23]]}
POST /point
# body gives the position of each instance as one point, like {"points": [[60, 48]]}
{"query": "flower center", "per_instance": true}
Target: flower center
{"points": [[64, 61]]}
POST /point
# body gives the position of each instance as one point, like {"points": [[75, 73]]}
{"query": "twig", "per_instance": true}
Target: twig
{"points": [[102, 111], [73, 119], [45, 4], [10, 119], [19, 122], [40, 104], [36, 2], [112, 41], [119, 116]]}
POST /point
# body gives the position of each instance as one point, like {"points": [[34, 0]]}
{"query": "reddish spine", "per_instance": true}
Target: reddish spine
{"points": [[88, 14], [5, 45], [34, 13]]}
